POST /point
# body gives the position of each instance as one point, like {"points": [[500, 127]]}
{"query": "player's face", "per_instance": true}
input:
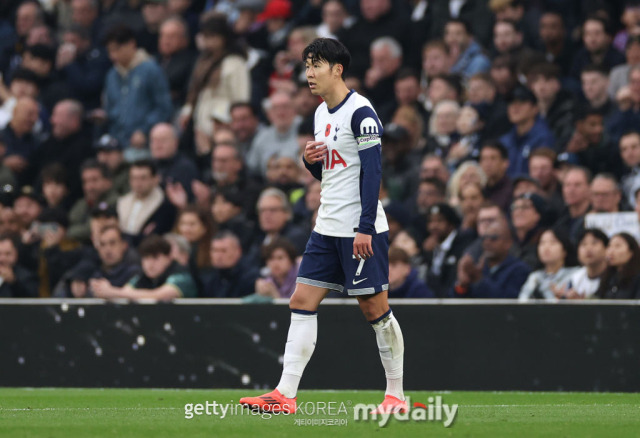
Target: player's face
{"points": [[320, 75]]}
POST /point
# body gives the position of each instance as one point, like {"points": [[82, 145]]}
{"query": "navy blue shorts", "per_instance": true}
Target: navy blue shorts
{"points": [[329, 262]]}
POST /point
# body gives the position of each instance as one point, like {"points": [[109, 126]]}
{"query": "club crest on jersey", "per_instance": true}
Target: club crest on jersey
{"points": [[332, 159], [335, 137], [327, 130]]}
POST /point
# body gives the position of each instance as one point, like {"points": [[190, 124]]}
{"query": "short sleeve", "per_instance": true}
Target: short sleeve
{"points": [[366, 127], [184, 283]]}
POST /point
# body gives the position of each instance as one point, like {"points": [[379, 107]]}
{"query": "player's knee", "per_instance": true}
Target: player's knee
{"points": [[372, 310]]}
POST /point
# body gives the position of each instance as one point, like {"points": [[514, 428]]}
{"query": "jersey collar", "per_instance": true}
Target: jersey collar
{"points": [[338, 106]]}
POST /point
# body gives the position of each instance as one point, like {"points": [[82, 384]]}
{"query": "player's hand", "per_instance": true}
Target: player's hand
{"points": [[314, 151], [362, 248]]}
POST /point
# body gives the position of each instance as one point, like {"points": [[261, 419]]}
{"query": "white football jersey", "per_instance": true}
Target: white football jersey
{"points": [[350, 127]]}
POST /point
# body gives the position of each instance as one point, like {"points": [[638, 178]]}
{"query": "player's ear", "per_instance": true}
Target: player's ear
{"points": [[337, 70]]}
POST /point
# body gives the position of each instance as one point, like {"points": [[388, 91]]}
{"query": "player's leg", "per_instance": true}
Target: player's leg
{"points": [[368, 280], [390, 345], [303, 333], [319, 272]]}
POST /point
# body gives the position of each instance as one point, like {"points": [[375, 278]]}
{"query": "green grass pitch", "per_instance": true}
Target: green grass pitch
{"points": [[50, 412]]}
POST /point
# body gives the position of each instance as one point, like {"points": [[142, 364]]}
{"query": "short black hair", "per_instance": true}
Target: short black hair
{"points": [[440, 186], [247, 105], [54, 172], [146, 163], [329, 50], [597, 233], [92, 163], [154, 245], [119, 34], [595, 68], [498, 146], [606, 25], [407, 72], [464, 23], [42, 51], [26, 75], [582, 112], [11, 237]]}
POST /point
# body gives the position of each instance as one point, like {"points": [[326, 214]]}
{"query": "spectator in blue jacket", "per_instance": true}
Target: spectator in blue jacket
{"points": [[136, 92], [404, 281], [467, 55], [498, 274], [529, 130]]}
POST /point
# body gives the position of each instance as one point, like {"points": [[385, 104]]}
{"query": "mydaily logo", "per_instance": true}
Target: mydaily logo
{"points": [[434, 410]]}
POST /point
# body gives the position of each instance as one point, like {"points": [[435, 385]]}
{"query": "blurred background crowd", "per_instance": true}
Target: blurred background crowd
{"points": [[152, 148]]}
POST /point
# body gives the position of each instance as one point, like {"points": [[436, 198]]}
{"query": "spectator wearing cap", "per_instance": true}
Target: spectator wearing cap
{"points": [[497, 274], [15, 280], [468, 56], [162, 278], [494, 161], [444, 247], [83, 66], [55, 247], [175, 57], [136, 92], [18, 138], [220, 77], [606, 195], [597, 50], [529, 216], [399, 169], [145, 209], [97, 187], [555, 104], [108, 151], [379, 18], [529, 131], [68, 144], [403, 278]]}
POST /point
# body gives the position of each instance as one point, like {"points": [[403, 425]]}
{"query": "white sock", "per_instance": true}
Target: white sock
{"points": [[301, 341], [391, 346]]}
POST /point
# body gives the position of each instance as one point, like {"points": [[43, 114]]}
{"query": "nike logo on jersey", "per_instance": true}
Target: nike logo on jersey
{"points": [[359, 281], [316, 133]]}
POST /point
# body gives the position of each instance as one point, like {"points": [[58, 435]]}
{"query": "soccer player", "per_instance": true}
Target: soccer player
{"points": [[348, 249]]}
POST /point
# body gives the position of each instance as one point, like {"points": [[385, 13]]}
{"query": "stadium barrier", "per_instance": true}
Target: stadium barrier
{"points": [[209, 343]]}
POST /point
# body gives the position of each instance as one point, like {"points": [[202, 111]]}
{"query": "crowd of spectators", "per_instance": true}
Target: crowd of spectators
{"points": [[152, 148]]}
